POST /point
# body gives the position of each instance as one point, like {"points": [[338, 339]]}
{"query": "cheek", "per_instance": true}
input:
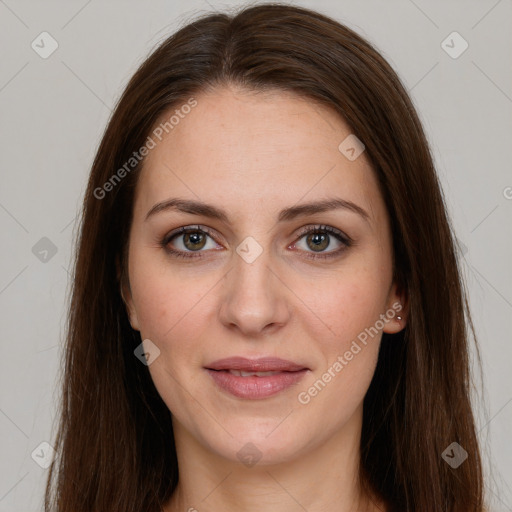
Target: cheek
{"points": [[350, 305], [343, 305], [169, 315], [165, 300]]}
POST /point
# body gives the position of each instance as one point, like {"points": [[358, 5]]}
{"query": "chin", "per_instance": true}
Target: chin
{"points": [[261, 441], [262, 450]]}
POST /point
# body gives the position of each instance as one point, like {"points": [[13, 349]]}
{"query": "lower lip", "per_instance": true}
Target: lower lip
{"points": [[254, 387]]}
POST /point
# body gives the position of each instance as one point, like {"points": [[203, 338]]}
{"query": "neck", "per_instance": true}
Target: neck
{"points": [[324, 478]]}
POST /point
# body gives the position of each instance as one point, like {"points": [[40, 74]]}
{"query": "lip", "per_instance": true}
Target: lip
{"points": [[262, 364], [255, 387]]}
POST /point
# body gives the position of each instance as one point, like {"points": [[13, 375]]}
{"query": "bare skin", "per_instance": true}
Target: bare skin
{"points": [[253, 155]]}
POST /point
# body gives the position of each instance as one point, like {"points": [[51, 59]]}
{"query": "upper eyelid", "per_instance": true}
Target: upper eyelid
{"points": [[323, 227]]}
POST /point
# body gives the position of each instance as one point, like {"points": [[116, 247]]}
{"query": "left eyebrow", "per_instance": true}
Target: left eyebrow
{"points": [[321, 206], [207, 210]]}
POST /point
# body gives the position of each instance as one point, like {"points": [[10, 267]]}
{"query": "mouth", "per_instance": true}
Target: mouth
{"points": [[241, 373], [255, 378]]}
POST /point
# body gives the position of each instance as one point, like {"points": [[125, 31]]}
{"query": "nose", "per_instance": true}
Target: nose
{"points": [[254, 299]]}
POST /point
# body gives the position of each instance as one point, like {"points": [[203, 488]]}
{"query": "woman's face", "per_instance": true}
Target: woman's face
{"points": [[249, 281]]}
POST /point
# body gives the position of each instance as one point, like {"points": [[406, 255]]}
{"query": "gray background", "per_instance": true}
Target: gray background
{"points": [[54, 111]]}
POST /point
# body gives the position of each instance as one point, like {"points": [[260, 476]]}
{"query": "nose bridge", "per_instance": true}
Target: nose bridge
{"points": [[253, 297]]}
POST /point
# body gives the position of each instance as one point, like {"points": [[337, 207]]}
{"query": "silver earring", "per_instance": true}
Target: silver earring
{"points": [[399, 317]]}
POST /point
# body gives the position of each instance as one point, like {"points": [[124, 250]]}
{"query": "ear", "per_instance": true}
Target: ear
{"points": [[396, 310], [126, 296]]}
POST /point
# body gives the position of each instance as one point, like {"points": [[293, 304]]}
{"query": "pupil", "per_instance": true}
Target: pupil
{"points": [[319, 240], [193, 239]]}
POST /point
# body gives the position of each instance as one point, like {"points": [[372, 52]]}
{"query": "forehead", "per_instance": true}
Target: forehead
{"points": [[244, 149]]}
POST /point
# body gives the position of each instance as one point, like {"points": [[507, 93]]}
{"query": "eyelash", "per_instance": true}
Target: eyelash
{"points": [[347, 242]]}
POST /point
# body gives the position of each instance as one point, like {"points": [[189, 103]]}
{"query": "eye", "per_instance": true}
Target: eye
{"points": [[319, 238], [189, 239]]}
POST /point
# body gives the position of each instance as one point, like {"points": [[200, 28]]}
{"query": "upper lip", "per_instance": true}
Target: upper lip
{"points": [[263, 364]]}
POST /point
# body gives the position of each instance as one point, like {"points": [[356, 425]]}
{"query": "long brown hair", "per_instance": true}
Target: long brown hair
{"points": [[115, 445]]}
